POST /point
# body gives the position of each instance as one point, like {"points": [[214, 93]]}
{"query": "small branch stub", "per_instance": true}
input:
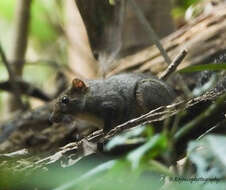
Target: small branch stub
{"points": [[173, 66]]}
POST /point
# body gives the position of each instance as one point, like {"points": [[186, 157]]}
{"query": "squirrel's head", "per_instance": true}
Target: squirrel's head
{"points": [[70, 102]]}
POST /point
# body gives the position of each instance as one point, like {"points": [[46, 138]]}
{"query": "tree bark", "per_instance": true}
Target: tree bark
{"points": [[80, 57]]}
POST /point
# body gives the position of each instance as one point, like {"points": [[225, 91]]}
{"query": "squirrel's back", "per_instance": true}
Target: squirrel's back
{"points": [[132, 94]]}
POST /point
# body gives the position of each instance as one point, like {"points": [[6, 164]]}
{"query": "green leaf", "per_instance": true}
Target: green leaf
{"points": [[121, 177], [209, 67], [87, 176], [157, 141], [40, 25], [122, 170], [126, 138]]}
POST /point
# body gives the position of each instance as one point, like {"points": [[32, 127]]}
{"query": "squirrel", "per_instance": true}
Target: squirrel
{"points": [[112, 101]]}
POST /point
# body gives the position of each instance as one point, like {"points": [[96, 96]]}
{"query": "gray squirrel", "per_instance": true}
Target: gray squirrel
{"points": [[112, 101]]}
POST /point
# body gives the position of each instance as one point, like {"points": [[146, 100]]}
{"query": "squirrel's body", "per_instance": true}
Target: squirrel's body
{"points": [[113, 100]]}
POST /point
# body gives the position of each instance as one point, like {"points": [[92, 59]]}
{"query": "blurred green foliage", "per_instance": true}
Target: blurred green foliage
{"points": [[44, 43], [40, 26], [186, 3], [180, 6], [206, 67], [7, 9], [207, 154]]}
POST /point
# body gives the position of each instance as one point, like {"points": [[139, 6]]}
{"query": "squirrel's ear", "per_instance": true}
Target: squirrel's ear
{"points": [[78, 85]]}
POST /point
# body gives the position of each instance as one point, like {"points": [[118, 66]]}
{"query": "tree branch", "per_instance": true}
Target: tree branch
{"points": [[173, 66], [19, 45], [153, 36], [26, 88], [207, 113], [12, 80]]}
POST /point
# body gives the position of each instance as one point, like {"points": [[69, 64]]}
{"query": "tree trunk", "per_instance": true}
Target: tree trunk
{"points": [[19, 44], [115, 31], [80, 57]]}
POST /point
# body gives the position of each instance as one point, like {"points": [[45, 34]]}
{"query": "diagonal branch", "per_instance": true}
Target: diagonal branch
{"points": [[153, 36], [12, 79], [173, 66]]}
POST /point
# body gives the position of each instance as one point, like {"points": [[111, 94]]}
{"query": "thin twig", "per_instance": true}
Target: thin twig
{"points": [[153, 36], [173, 66], [209, 130], [12, 79], [155, 39]]}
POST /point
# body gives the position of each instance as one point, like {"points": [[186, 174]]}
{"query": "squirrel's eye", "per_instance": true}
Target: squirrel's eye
{"points": [[65, 100]]}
